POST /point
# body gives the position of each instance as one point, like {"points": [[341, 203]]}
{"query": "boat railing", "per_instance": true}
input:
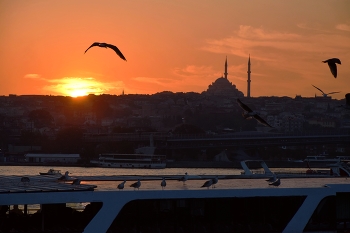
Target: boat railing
{"points": [[317, 172]]}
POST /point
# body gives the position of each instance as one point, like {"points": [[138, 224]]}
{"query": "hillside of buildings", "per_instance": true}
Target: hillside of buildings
{"points": [[59, 124]]}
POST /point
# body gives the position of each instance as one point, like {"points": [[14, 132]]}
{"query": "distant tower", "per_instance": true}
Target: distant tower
{"points": [[248, 91], [226, 68]]}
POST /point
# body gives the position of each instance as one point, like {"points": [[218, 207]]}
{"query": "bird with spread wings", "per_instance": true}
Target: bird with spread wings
{"points": [[325, 94], [332, 65], [105, 45], [248, 114]]}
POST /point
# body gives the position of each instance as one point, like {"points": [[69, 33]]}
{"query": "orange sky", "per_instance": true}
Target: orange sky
{"points": [[174, 45]]}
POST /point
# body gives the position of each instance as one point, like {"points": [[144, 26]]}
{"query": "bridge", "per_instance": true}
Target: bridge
{"points": [[238, 139]]}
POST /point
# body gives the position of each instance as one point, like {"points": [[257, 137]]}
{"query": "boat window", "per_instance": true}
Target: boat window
{"points": [[324, 216], [62, 217], [254, 214], [331, 214]]}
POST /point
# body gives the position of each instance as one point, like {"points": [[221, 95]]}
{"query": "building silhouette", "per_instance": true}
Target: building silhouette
{"points": [[223, 87]]}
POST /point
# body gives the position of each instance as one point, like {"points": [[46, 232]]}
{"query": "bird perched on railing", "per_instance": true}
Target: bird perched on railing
{"points": [[105, 45], [272, 178], [332, 65], [276, 182], [76, 182], [163, 183], [215, 181], [65, 177], [184, 178], [207, 183], [121, 185], [136, 185]]}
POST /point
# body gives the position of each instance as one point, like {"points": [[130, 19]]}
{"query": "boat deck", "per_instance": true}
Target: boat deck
{"points": [[39, 183]]}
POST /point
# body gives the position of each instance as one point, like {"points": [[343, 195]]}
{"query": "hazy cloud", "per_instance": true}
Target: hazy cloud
{"points": [[33, 76], [265, 45], [312, 27], [281, 50], [195, 71], [248, 32], [343, 27], [149, 80]]}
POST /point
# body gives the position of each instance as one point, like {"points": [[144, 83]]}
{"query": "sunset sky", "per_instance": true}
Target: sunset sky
{"points": [[173, 45]]}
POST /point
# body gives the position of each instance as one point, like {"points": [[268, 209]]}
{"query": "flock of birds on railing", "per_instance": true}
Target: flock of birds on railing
{"points": [[274, 181], [209, 183], [76, 181]]}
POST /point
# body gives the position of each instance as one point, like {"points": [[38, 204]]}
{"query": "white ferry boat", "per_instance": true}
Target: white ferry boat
{"points": [[144, 157], [41, 204], [132, 160]]}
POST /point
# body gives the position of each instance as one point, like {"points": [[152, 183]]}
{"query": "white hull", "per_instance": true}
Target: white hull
{"points": [[131, 161]]}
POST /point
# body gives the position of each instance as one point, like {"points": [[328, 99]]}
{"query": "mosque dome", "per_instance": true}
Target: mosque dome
{"points": [[222, 86]]}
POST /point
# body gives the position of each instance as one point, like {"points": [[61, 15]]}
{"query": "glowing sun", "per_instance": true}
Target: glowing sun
{"points": [[75, 86]]}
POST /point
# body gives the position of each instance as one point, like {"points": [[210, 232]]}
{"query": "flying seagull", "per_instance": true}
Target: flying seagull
{"points": [[105, 45], [184, 178], [163, 183], [325, 94], [347, 103], [121, 185], [248, 114], [136, 185], [207, 183], [332, 66]]}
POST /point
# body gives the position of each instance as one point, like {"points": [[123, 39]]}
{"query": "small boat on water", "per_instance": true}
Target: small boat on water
{"points": [[51, 172]]}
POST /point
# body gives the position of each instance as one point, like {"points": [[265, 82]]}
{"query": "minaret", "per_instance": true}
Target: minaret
{"points": [[248, 91], [226, 68]]}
